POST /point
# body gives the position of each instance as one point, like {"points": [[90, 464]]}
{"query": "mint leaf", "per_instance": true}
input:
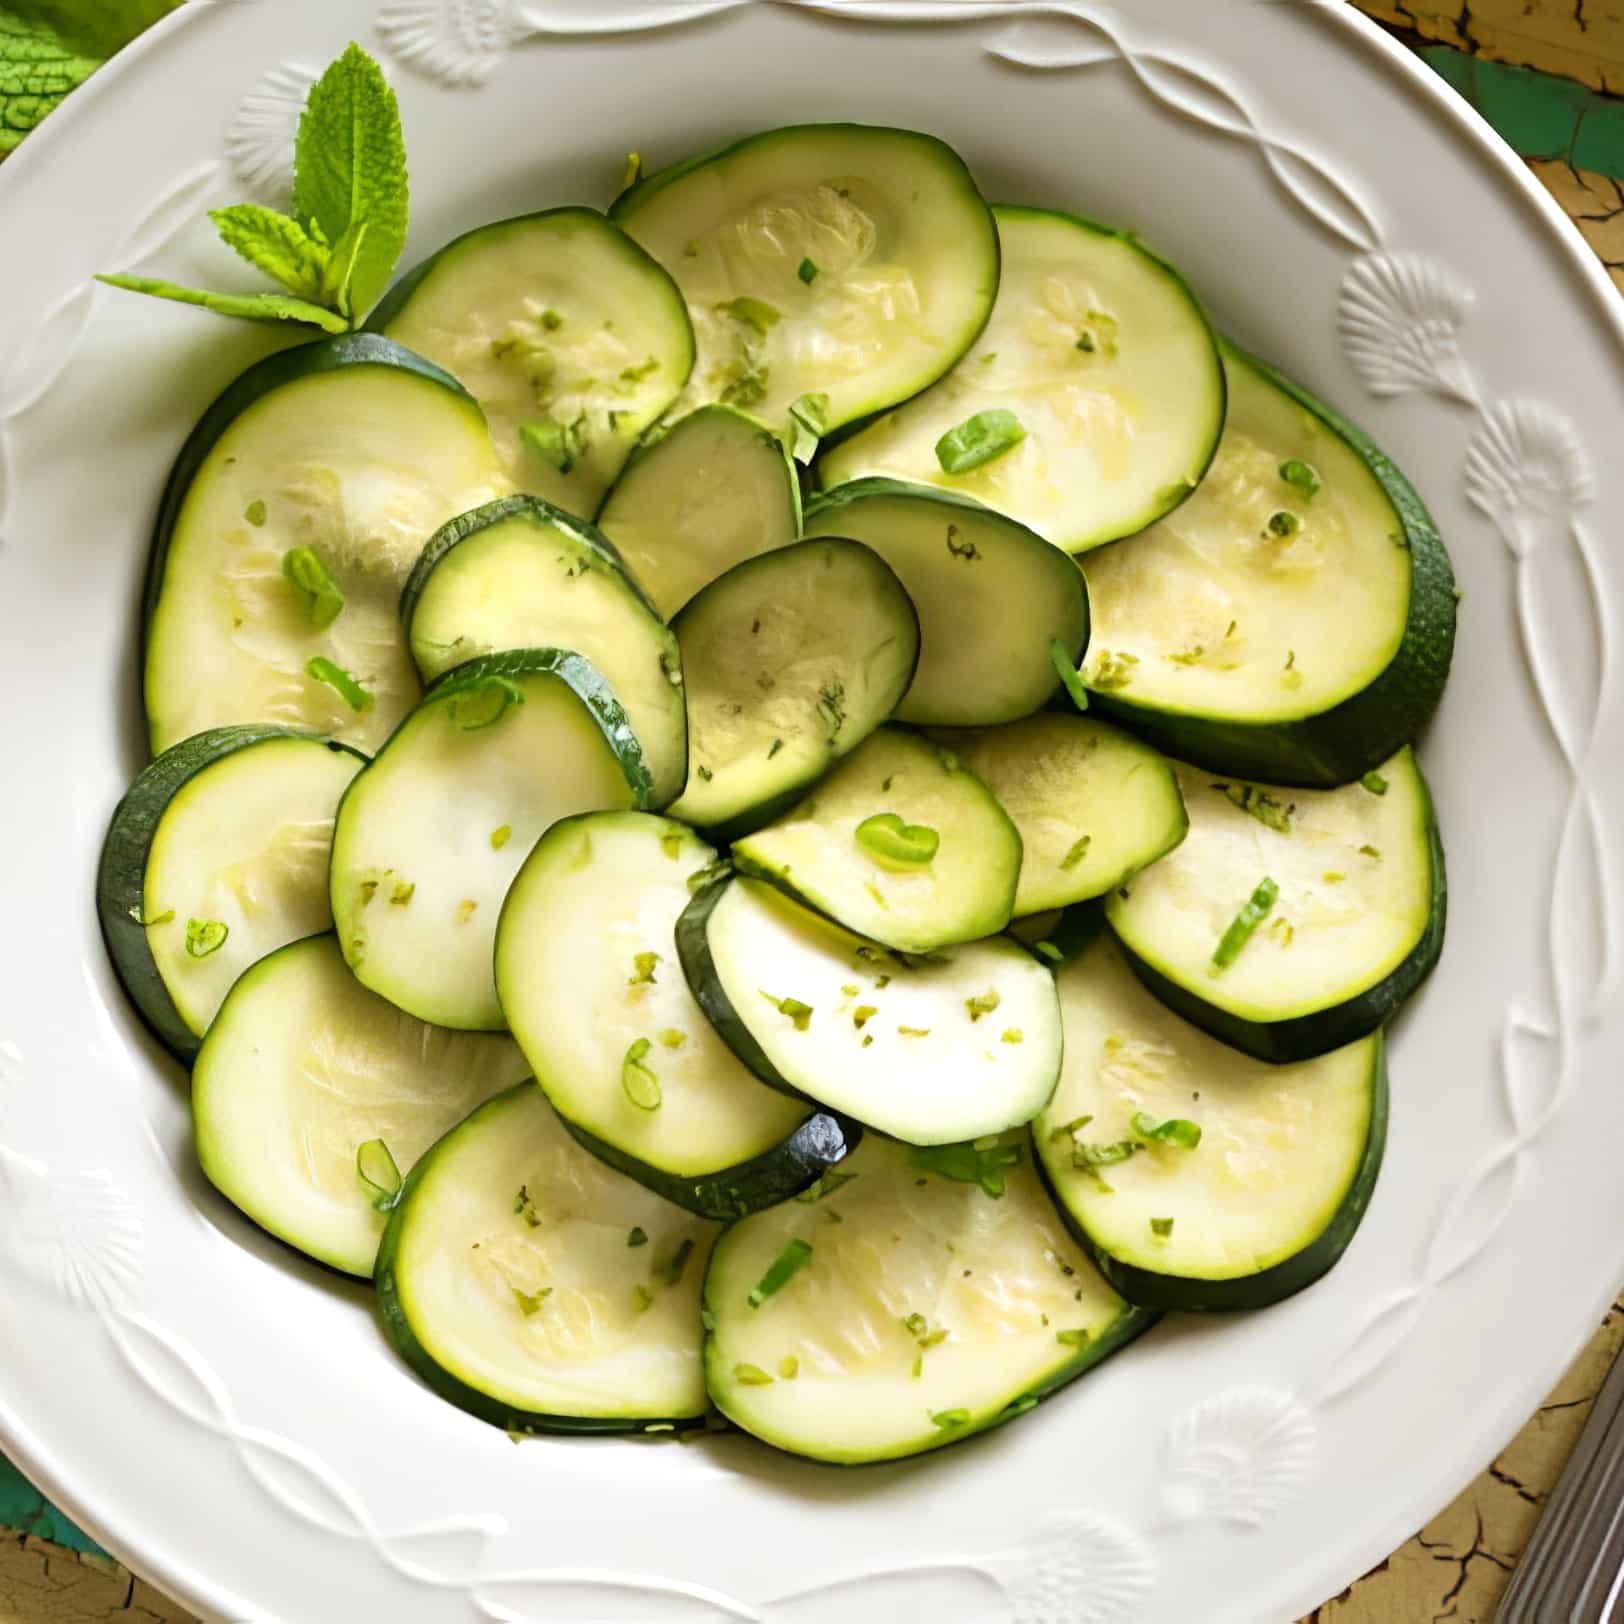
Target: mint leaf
{"points": [[37, 70], [96, 27], [338, 290], [249, 306], [278, 246], [350, 170]]}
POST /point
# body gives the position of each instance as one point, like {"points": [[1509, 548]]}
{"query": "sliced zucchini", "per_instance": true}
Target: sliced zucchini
{"points": [[900, 843], [992, 597], [1093, 805], [294, 513], [1196, 1177], [1106, 363], [1291, 922], [932, 1050], [1295, 619], [569, 336], [711, 491], [216, 856], [844, 265], [520, 573], [430, 835], [587, 971], [931, 1310], [302, 1074], [790, 660], [513, 1281]]}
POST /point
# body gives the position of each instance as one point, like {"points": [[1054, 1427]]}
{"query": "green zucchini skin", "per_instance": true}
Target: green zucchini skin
{"points": [[285, 367], [1340, 744], [121, 874], [397, 1329], [1302, 1037], [736, 1192], [1175, 1293]]}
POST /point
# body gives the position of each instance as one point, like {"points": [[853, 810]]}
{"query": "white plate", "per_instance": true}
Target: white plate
{"points": [[227, 1418]]}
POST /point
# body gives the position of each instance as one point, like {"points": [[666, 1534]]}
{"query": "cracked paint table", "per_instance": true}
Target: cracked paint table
{"points": [[1543, 73]]}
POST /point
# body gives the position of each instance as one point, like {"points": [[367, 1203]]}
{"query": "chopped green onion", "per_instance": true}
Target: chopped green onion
{"points": [[643, 967], [755, 314], [807, 270], [1078, 851], [256, 513], [1282, 523], [898, 844], [378, 1173], [789, 1263], [948, 1419], [530, 1301], [671, 1270], [1252, 913], [1258, 804], [1161, 1226], [638, 1237], [975, 1163], [798, 1012], [825, 1184], [978, 440], [484, 703], [304, 571], [751, 1376], [641, 1086], [205, 936], [1300, 476], [1070, 677], [1174, 1131], [1375, 783], [501, 836], [340, 681], [1071, 1339], [983, 1003]]}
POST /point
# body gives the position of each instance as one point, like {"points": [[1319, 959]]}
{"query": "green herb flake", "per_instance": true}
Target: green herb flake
{"points": [[1088, 1158], [483, 703], [1070, 1130], [983, 1003], [671, 844], [1333, 876], [789, 1367], [895, 843], [671, 1038], [638, 1237], [751, 1376], [808, 419], [705, 775], [1282, 523], [774, 748], [1113, 671], [798, 1012], [1085, 342], [832, 706], [710, 874], [1071, 678], [640, 1084], [807, 270], [256, 513], [369, 889], [1259, 804], [340, 681], [379, 1174], [551, 442], [530, 1301], [1178, 1131], [638, 373], [1253, 912], [551, 320], [947, 1420], [981, 1162], [913, 1031], [825, 1184], [466, 910], [756, 314], [1072, 1339], [789, 1263], [1370, 852], [643, 970], [643, 1297], [205, 936], [157, 919], [501, 836], [1012, 1034], [959, 547], [403, 893], [304, 571], [1375, 783], [526, 1208], [1049, 951], [672, 1270], [1301, 477], [1077, 852], [633, 172], [978, 440]]}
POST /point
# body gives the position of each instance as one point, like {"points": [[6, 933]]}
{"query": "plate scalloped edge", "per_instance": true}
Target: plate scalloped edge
{"points": [[1239, 1455]]}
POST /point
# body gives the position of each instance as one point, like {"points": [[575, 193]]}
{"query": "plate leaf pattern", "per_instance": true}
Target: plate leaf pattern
{"points": [[1237, 1456]]}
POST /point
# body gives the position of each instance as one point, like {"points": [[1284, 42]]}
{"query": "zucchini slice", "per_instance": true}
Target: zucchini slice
{"points": [[512, 1278], [1291, 922], [790, 660], [520, 573], [1093, 804], [302, 1072], [707, 493], [430, 835], [900, 843], [1295, 619], [587, 971], [843, 266], [1110, 369], [1199, 1178], [568, 335], [931, 1049], [933, 1308], [348, 454], [216, 856], [991, 595]]}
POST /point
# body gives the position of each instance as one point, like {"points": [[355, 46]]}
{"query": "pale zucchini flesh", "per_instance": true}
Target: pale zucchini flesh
{"points": [[1107, 362], [520, 573], [1093, 804], [430, 835], [887, 889], [1261, 1205], [301, 1068], [712, 490], [508, 1280], [361, 459], [992, 597], [587, 970], [932, 1049], [554, 319], [902, 250], [927, 1310], [790, 660]]}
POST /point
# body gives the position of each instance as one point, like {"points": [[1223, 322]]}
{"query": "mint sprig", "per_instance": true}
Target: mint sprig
{"points": [[338, 249]]}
